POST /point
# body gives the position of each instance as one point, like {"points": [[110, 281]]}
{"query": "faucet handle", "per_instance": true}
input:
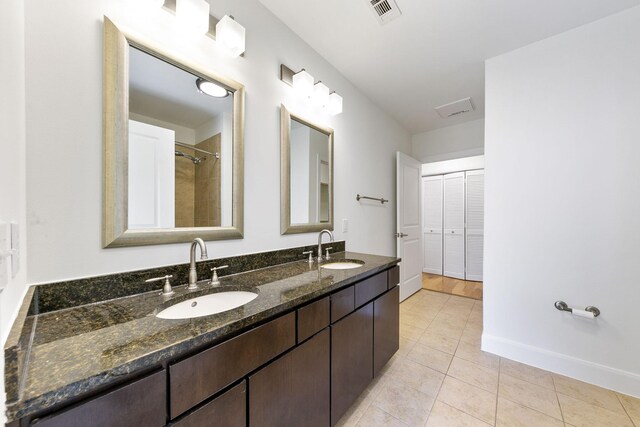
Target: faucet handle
{"points": [[166, 289], [215, 281], [310, 253], [326, 251]]}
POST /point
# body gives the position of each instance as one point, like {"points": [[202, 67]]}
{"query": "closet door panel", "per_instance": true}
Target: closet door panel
{"points": [[475, 224], [454, 217], [432, 194]]}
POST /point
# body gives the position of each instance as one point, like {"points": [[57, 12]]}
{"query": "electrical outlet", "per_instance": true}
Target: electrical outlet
{"points": [[345, 225]]}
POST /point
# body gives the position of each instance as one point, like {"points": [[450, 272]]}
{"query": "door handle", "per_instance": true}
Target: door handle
{"points": [[401, 235]]}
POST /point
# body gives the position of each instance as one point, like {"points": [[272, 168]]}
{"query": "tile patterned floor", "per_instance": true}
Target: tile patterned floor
{"points": [[441, 378], [449, 285]]}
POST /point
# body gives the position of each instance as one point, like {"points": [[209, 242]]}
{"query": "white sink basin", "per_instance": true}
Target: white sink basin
{"points": [[342, 265], [207, 305]]}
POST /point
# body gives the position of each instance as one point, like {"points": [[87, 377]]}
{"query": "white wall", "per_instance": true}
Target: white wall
{"points": [[452, 142], [64, 134], [12, 160], [562, 202], [453, 165]]}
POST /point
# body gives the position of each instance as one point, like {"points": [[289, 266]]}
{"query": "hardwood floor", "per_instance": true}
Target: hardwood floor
{"points": [[449, 285]]}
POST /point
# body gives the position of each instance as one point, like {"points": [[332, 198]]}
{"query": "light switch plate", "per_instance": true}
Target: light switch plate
{"points": [[345, 225], [5, 246]]}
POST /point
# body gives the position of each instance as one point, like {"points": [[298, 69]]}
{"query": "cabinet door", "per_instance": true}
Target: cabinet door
{"points": [[454, 225], [475, 224], [140, 403], [432, 193], [386, 328], [200, 376], [228, 410], [293, 390], [351, 359]]}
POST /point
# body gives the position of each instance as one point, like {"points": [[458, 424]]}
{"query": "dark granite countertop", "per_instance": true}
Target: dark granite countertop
{"points": [[74, 351]]}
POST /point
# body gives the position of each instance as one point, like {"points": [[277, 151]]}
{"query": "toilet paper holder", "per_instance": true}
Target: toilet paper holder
{"points": [[562, 306]]}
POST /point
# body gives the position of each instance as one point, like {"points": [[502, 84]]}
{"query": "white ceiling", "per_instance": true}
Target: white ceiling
{"points": [[162, 91], [434, 53]]}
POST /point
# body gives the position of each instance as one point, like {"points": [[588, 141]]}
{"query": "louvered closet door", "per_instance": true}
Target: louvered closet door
{"points": [[454, 225], [475, 224], [432, 193]]}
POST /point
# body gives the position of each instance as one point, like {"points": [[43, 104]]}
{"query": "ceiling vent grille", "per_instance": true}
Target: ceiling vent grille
{"points": [[455, 108], [384, 10]]}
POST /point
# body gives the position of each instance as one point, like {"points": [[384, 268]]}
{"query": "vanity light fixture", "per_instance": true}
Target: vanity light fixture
{"points": [[302, 83], [211, 89], [193, 16], [335, 104], [231, 35], [318, 93], [154, 4]]}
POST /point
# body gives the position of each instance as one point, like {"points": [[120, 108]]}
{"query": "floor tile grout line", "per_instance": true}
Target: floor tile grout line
{"points": [[594, 405], [391, 415], [558, 399], [624, 408]]}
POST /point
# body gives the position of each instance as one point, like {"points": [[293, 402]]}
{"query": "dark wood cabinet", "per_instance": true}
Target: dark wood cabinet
{"points": [[227, 410], [294, 389], [394, 276], [313, 318], [370, 288], [197, 378], [305, 367], [386, 331], [351, 359], [342, 303], [140, 403]]}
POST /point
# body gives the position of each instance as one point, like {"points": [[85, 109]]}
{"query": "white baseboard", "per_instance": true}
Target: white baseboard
{"points": [[604, 376]]}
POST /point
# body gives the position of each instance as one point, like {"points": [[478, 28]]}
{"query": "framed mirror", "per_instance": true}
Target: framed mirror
{"points": [[306, 194], [173, 147]]}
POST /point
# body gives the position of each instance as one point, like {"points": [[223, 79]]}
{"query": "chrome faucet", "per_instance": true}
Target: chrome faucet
{"points": [[320, 242], [193, 275]]}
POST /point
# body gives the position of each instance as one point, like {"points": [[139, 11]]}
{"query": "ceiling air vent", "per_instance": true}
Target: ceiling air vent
{"points": [[384, 10], [455, 108]]}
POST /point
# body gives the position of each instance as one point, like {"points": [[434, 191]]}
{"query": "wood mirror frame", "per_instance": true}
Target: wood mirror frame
{"points": [[286, 227], [115, 231]]}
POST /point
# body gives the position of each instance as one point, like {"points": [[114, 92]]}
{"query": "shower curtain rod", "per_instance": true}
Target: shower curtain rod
{"points": [[182, 144]]}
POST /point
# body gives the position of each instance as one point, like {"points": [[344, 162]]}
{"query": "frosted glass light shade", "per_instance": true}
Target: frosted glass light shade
{"points": [[211, 89], [231, 35], [335, 104], [320, 94], [303, 83], [154, 4], [193, 16]]}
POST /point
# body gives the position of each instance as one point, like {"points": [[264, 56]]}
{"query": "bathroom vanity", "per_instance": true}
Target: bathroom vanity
{"points": [[300, 353]]}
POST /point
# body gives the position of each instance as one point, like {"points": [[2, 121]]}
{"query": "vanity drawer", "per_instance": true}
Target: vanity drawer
{"points": [[228, 410], [394, 276], [141, 403], [313, 318], [370, 288], [342, 303], [195, 379]]}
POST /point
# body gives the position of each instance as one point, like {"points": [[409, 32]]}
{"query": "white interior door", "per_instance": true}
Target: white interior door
{"points": [[432, 193], [475, 224], [454, 225], [151, 176], [409, 228]]}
